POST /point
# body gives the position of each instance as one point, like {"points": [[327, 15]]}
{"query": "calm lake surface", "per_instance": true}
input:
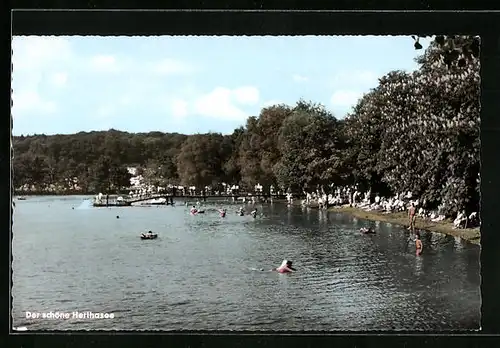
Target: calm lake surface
{"points": [[201, 273]]}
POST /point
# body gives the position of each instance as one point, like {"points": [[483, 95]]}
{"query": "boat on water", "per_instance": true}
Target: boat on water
{"points": [[159, 201], [149, 235]]}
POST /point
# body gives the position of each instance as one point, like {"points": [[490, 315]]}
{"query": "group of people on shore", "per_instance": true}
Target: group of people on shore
{"points": [[353, 197]]}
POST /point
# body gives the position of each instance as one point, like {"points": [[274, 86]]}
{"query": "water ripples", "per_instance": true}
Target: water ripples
{"points": [[203, 272]]}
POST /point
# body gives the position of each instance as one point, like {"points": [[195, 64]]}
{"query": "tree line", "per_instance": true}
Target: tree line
{"points": [[415, 132]]}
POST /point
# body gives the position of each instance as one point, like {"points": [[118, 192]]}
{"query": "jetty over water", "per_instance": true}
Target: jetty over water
{"points": [[168, 198]]}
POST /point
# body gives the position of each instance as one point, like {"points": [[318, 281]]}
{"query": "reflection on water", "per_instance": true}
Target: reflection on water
{"points": [[86, 204], [418, 266], [204, 272]]}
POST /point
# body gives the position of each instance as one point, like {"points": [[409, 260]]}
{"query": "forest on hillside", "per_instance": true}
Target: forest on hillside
{"points": [[415, 132]]}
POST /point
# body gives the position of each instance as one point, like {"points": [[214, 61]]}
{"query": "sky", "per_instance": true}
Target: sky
{"points": [[190, 84]]}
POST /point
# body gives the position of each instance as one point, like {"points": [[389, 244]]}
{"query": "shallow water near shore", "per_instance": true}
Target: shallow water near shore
{"points": [[200, 274]]}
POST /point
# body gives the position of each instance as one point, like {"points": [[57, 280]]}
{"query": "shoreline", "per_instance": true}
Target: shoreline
{"points": [[472, 235]]}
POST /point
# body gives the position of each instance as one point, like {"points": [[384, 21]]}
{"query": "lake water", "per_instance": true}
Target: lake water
{"points": [[202, 271]]}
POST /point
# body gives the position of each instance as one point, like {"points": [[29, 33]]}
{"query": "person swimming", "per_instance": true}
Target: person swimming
{"points": [[222, 213], [368, 230], [286, 267], [193, 210], [241, 212], [254, 213]]}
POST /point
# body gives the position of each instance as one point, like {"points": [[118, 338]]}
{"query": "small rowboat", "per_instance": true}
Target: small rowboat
{"points": [[366, 230]]}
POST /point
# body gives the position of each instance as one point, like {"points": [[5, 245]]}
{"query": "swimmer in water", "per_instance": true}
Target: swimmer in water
{"points": [[222, 213], [418, 245], [241, 211], [368, 230], [254, 213], [193, 210], [286, 267]]}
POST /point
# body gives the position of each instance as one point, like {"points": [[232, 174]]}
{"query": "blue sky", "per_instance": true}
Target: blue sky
{"points": [[191, 84]]}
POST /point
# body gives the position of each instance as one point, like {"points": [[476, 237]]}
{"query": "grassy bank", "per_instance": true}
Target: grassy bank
{"points": [[446, 227]]}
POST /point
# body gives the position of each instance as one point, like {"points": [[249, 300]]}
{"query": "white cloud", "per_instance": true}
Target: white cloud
{"points": [[171, 66], [35, 59], [36, 52], [356, 78], [127, 99], [345, 98], [299, 78], [30, 101], [247, 95], [219, 104], [59, 79], [104, 63], [179, 108], [106, 110]]}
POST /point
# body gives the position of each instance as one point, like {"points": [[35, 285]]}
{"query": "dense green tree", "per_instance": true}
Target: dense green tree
{"points": [[230, 156], [199, 160], [119, 177], [419, 132], [109, 176], [258, 149], [311, 149], [249, 156]]}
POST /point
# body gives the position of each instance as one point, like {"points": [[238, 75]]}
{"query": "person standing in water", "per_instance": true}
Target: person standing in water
{"points": [[411, 216], [418, 244], [222, 213]]}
